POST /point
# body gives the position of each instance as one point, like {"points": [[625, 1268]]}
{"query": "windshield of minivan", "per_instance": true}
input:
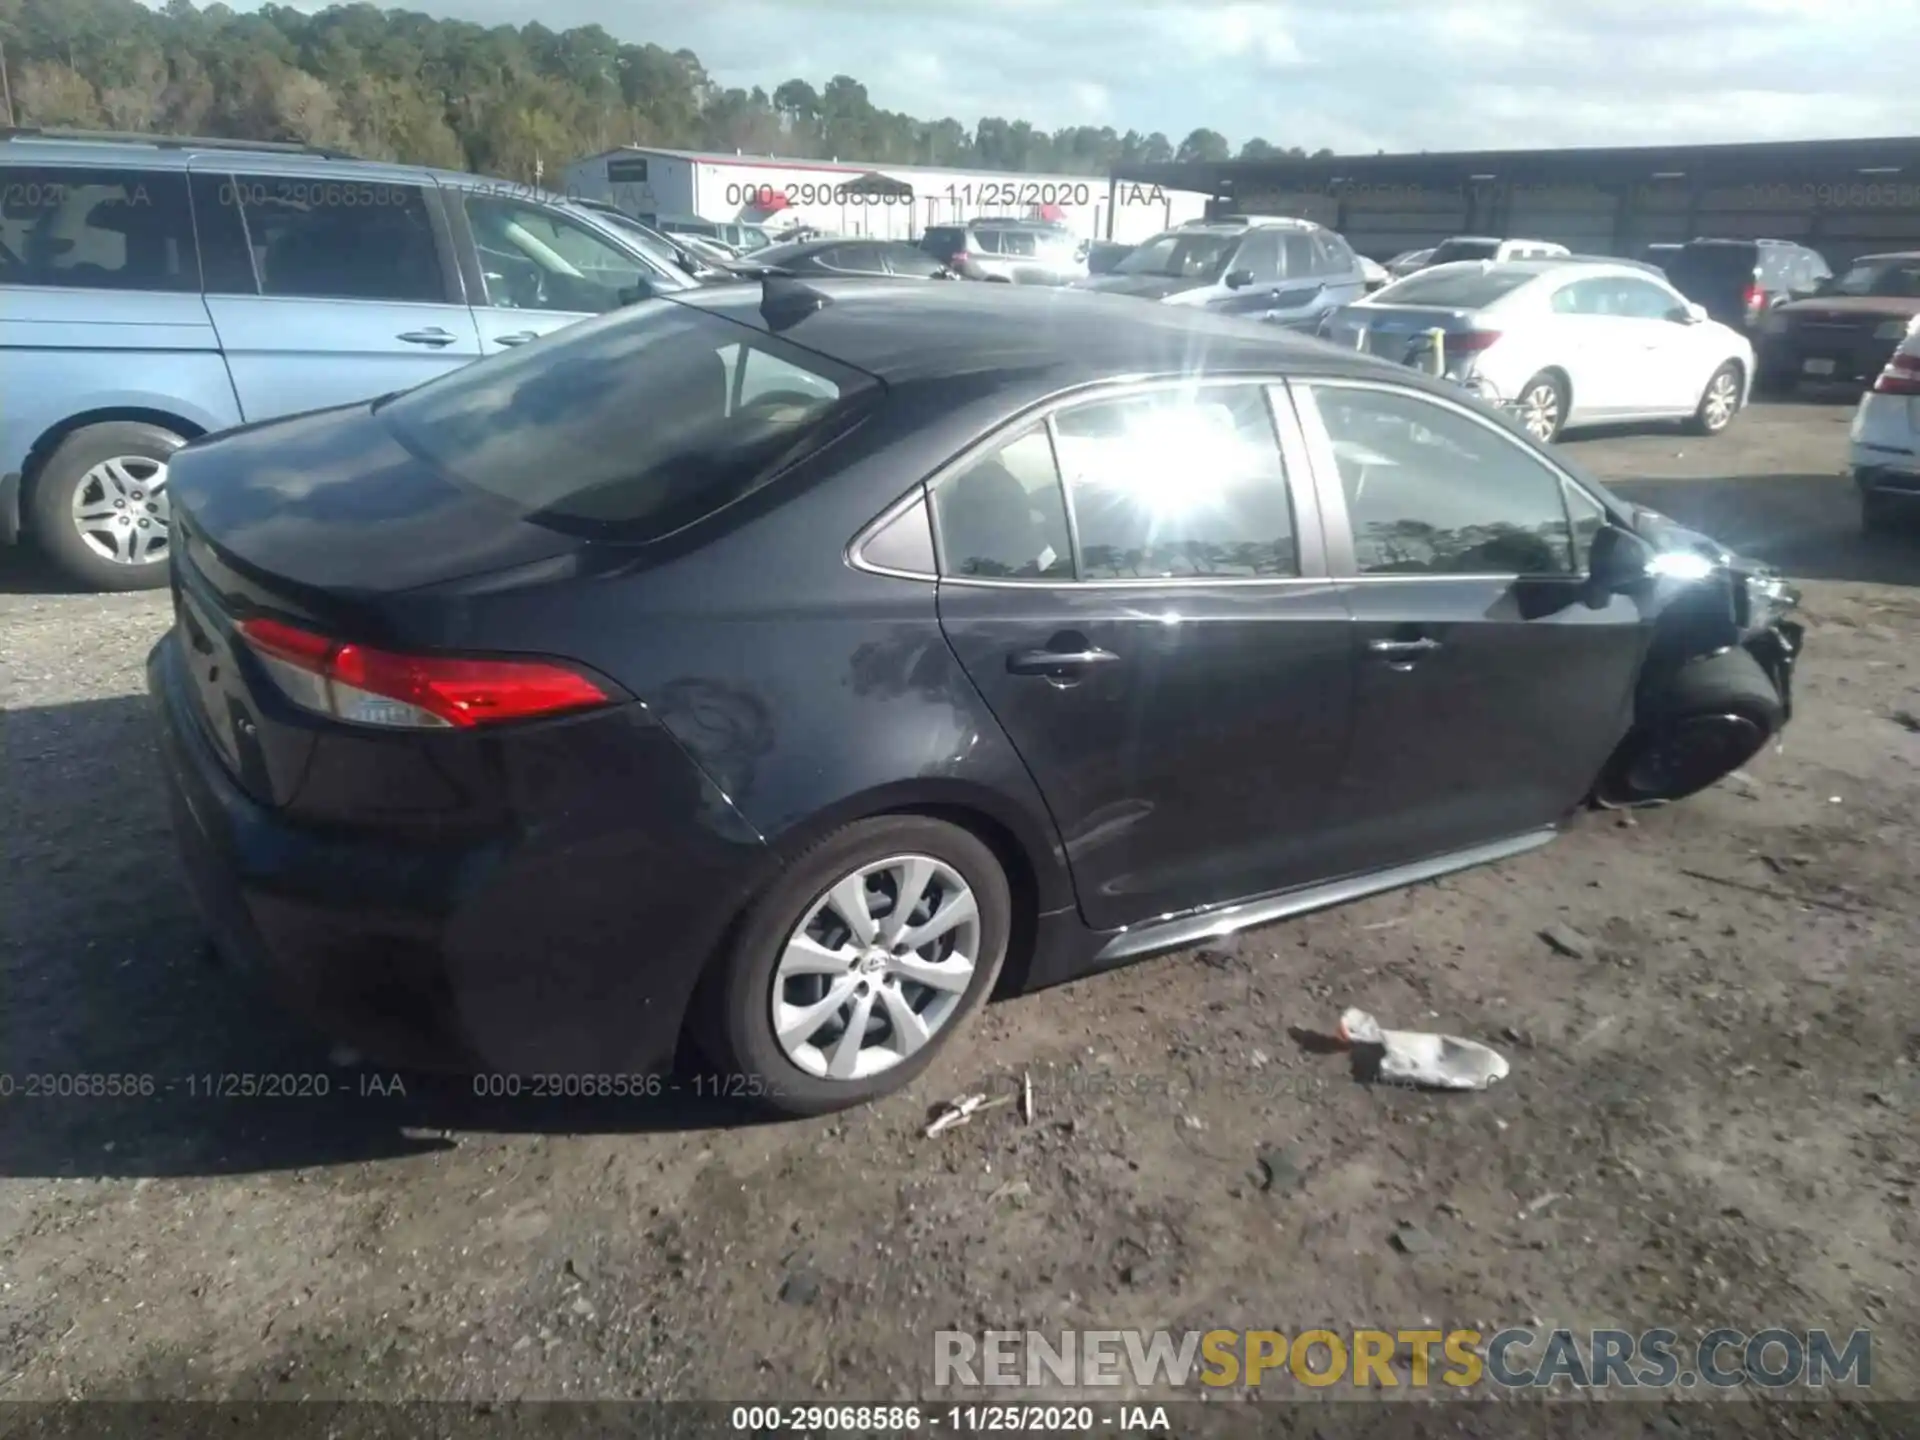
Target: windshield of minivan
{"points": [[1899, 279], [633, 425], [1181, 255]]}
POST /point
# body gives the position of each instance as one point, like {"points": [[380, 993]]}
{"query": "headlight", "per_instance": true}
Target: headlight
{"points": [[1895, 329], [1680, 565]]}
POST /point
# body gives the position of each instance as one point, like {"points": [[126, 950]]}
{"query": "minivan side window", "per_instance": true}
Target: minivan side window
{"points": [[1003, 517], [338, 240], [534, 258], [1178, 483], [93, 228], [1431, 492]]}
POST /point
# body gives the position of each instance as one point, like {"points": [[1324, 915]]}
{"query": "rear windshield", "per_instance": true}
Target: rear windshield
{"points": [[1467, 290], [633, 425], [1713, 261], [1899, 279], [1453, 250]]}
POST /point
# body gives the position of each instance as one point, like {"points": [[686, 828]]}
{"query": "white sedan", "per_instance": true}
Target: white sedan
{"points": [[1885, 442], [1559, 342]]}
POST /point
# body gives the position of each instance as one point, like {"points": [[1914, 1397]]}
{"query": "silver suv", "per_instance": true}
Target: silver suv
{"points": [[1013, 252]]}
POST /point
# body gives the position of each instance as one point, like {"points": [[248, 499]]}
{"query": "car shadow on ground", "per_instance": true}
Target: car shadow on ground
{"points": [[1807, 525], [125, 1052]]}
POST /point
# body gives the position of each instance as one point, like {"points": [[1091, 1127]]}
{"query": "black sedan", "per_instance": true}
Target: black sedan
{"points": [[844, 256], [781, 667]]}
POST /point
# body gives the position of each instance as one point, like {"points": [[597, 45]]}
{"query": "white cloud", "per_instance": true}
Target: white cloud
{"points": [[1349, 74]]}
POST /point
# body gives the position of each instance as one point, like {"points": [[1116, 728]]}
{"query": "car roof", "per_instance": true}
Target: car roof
{"points": [[1886, 255], [1050, 336]]}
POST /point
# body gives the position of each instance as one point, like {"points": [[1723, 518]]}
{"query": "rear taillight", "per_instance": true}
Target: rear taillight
{"points": [[958, 259], [364, 686], [1471, 342], [1901, 377], [1756, 298]]}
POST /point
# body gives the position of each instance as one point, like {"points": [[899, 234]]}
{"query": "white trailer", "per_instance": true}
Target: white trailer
{"points": [[889, 202]]}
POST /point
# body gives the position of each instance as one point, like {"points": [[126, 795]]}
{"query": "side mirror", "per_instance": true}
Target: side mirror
{"points": [[633, 294], [1239, 279], [1688, 314], [1616, 562]]}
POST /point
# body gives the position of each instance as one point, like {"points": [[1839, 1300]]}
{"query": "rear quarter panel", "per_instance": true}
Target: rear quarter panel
{"points": [[67, 353]]}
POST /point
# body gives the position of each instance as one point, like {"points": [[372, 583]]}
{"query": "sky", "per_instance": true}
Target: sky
{"points": [[1353, 75]]}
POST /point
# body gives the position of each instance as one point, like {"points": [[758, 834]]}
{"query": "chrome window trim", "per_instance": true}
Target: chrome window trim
{"points": [[1342, 562], [1119, 387]]}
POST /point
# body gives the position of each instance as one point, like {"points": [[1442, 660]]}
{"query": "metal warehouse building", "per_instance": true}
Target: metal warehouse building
{"points": [[891, 201], [1842, 197]]}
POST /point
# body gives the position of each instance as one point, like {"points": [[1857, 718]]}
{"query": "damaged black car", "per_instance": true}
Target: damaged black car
{"points": [[770, 673]]}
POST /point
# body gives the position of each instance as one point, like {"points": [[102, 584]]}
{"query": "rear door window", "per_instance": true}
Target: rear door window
{"points": [[99, 229], [1003, 517], [333, 240], [1296, 256], [1178, 483], [633, 425]]}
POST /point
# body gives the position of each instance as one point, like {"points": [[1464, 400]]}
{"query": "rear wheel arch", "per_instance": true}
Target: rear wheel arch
{"points": [[56, 435], [1027, 875]]}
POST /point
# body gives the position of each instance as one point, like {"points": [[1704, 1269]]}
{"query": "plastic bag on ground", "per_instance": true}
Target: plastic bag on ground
{"points": [[1416, 1057]]}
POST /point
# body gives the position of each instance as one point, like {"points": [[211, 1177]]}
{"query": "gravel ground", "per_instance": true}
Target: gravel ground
{"points": [[1709, 1119]]}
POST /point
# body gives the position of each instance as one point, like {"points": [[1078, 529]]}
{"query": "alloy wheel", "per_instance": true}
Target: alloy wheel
{"points": [[876, 968], [1723, 398], [121, 510], [1540, 412]]}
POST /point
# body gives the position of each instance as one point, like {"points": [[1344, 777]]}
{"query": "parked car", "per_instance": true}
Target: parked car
{"points": [[1286, 272], [1408, 261], [1373, 273], [692, 676], [1740, 282], [853, 256], [1561, 342], [1103, 255], [1489, 247], [1885, 440], [713, 252], [1661, 252], [1849, 329], [672, 249], [153, 289], [737, 236], [1013, 252]]}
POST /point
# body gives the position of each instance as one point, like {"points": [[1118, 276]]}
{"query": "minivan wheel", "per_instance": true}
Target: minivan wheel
{"points": [[858, 965], [1543, 407], [1719, 403], [99, 507]]}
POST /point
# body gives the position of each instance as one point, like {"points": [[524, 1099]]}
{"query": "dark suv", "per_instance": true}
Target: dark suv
{"points": [[1740, 281]]}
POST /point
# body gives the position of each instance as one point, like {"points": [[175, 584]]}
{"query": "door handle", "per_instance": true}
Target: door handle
{"points": [[518, 338], [434, 336], [1403, 649], [1043, 662]]}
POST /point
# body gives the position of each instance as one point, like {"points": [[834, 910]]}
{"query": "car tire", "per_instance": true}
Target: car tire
{"points": [[1876, 514], [1544, 399], [115, 474], [1719, 402], [804, 912], [1713, 715]]}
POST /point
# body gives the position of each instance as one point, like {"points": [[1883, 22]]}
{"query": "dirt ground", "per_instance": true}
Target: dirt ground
{"points": [[1709, 1119]]}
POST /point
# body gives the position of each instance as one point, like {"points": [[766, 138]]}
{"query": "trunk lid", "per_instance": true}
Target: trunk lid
{"points": [[1400, 333]]}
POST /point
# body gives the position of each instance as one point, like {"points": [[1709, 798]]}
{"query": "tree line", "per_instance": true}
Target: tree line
{"points": [[515, 102]]}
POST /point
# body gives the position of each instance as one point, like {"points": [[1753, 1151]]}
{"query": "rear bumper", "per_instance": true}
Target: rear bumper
{"points": [[518, 953], [1785, 358]]}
